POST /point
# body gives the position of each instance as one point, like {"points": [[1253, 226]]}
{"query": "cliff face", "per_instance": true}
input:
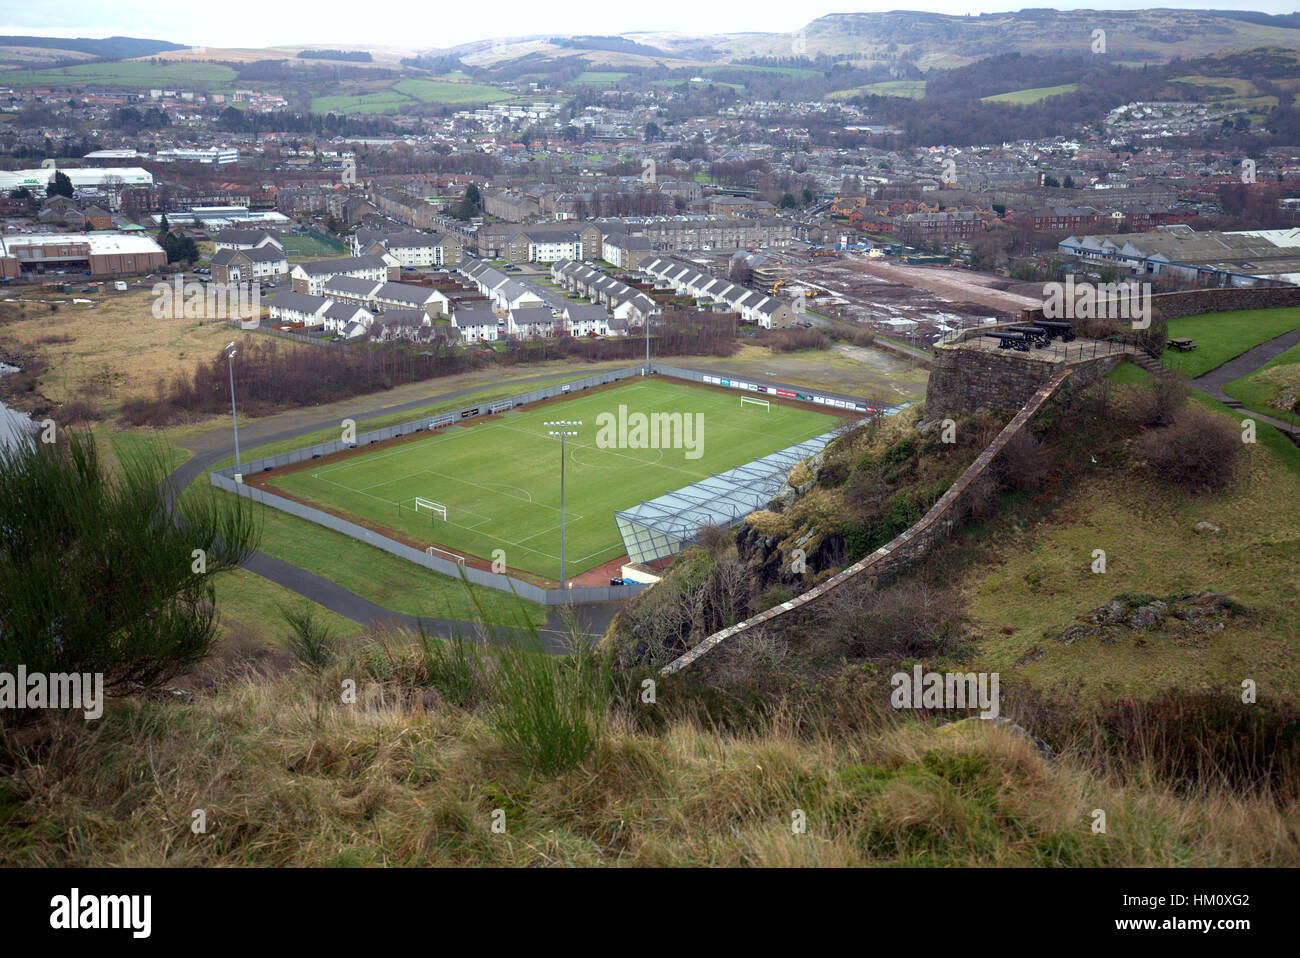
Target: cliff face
{"points": [[835, 508]]}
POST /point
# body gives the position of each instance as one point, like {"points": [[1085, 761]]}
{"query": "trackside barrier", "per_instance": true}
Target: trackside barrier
{"points": [[447, 567], [767, 389]]}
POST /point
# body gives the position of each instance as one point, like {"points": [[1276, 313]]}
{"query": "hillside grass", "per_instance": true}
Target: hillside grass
{"points": [[908, 89], [1223, 336], [386, 102], [127, 73], [288, 775], [1026, 97], [1259, 389], [1031, 578], [442, 91], [598, 77]]}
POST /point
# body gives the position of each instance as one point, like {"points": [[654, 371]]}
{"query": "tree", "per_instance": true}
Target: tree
{"points": [[21, 193], [1069, 183], [1051, 182], [652, 132], [59, 185], [179, 248], [471, 204], [95, 574], [807, 196], [788, 202]]}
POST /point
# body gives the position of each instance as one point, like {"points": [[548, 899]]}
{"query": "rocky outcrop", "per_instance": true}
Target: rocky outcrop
{"points": [[1186, 619]]}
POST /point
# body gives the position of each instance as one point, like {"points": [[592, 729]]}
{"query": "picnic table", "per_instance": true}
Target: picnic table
{"points": [[1182, 343]]}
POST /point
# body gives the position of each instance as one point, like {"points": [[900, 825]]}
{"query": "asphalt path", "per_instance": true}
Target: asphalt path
{"points": [[1212, 382]]}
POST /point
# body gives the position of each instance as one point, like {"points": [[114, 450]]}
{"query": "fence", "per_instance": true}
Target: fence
{"points": [[1114, 344], [767, 387], [448, 567], [286, 334]]}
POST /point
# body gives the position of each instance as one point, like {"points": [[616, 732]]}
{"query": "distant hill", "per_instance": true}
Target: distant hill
{"points": [[111, 48], [930, 40]]}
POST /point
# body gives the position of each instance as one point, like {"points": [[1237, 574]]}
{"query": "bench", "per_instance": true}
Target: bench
{"points": [[1010, 341], [1054, 329]]}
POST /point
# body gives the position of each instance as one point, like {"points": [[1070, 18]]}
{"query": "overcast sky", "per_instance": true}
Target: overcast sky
{"points": [[258, 23]]}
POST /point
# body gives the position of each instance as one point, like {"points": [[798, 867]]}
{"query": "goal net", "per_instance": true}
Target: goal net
{"points": [[435, 551], [437, 508], [750, 401]]}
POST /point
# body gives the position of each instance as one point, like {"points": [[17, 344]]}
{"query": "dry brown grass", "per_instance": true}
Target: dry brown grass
{"points": [[115, 349], [288, 775]]}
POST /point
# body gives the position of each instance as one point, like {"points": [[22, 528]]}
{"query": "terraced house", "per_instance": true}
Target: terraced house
{"points": [[312, 277], [625, 303], [262, 262], [412, 250], [550, 245], [769, 312], [380, 297]]}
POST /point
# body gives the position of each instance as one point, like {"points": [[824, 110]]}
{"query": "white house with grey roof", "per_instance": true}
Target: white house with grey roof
{"points": [[291, 307], [532, 322], [582, 320], [347, 319], [266, 262], [312, 277], [411, 248], [476, 325], [769, 312]]}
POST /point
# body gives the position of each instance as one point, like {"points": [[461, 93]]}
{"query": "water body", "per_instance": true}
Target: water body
{"points": [[14, 425]]}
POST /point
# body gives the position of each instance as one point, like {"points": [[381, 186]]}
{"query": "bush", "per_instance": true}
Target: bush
{"points": [[1197, 451], [452, 667], [1157, 404], [309, 641], [1025, 462], [864, 337], [907, 619], [793, 339], [548, 709], [98, 575]]}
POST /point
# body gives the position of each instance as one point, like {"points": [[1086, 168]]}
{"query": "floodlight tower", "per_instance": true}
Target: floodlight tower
{"points": [[234, 416], [562, 429]]}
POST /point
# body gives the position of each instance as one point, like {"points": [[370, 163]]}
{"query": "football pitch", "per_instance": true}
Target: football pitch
{"points": [[498, 481]]}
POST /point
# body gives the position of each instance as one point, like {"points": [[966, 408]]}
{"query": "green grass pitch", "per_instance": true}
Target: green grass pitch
{"points": [[500, 479]]}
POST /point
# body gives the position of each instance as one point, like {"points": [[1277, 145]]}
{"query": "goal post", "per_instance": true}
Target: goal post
{"points": [[435, 551], [752, 401], [437, 508]]}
